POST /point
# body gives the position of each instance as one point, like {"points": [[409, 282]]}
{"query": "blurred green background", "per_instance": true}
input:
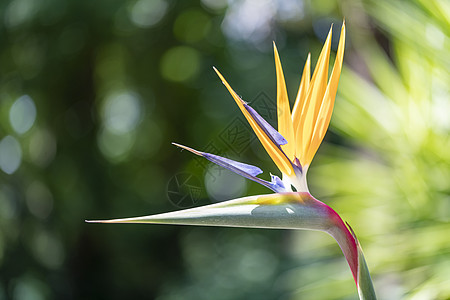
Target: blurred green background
{"points": [[92, 93]]}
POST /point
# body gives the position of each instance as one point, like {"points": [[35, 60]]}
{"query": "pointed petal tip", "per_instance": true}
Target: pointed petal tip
{"points": [[124, 220], [275, 51], [227, 85], [106, 221], [220, 75], [96, 221], [188, 149], [330, 32], [343, 26], [177, 145]]}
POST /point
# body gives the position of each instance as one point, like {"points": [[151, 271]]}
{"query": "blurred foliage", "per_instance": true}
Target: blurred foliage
{"points": [[93, 92]]}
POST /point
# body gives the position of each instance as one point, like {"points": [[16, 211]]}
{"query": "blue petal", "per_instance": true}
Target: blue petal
{"points": [[232, 165], [277, 183], [274, 135], [245, 170]]}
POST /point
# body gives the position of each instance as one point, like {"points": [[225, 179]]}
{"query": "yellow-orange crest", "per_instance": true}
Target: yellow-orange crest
{"points": [[304, 128]]}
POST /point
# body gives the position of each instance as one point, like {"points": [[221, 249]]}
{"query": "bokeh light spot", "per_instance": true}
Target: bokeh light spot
{"points": [[121, 112], [39, 200], [224, 185], [28, 287], [290, 10], [29, 55], [151, 144], [9, 207], [323, 7], [146, 13], [42, 147], [250, 21], [22, 114], [180, 64], [10, 154], [20, 11], [257, 265], [192, 25], [114, 146], [48, 249], [215, 5]]}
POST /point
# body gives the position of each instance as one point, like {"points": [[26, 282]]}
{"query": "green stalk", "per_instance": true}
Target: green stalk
{"points": [[281, 211]]}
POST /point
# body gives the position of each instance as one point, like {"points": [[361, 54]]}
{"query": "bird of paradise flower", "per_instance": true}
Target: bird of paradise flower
{"points": [[292, 149]]}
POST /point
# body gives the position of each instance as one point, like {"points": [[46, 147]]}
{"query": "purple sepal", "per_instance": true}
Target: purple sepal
{"points": [[297, 165], [237, 167], [277, 184], [245, 170], [274, 135]]}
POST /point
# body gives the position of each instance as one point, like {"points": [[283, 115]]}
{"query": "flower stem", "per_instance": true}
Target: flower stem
{"points": [[349, 245]]}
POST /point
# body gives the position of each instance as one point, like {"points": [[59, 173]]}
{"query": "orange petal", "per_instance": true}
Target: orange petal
{"points": [[326, 109], [311, 106], [285, 126], [299, 102], [278, 157]]}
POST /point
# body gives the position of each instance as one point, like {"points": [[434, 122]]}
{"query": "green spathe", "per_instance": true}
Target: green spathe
{"points": [[275, 211]]}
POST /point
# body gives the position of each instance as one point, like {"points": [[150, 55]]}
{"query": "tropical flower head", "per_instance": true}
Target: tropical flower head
{"points": [[301, 131], [292, 148]]}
